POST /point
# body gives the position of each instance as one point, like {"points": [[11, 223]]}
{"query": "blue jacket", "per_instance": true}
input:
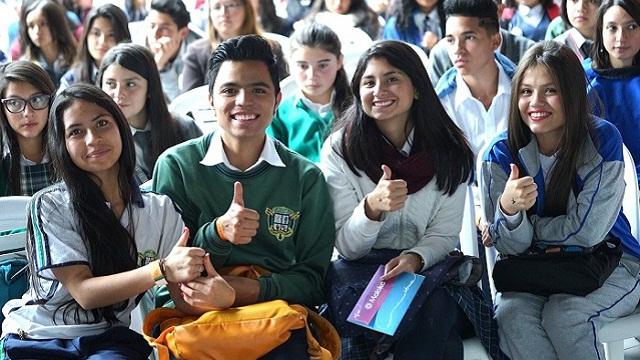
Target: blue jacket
{"points": [[447, 83], [534, 33], [618, 93], [411, 35], [593, 211]]}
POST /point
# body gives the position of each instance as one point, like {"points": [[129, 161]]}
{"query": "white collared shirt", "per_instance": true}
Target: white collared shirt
{"points": [[479, 125], [215, 154], [26, 162], [320, 109], [531, 16]]}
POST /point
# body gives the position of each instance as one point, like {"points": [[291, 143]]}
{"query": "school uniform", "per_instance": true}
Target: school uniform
{"points": [[561, 325], [618, 101], [302, 125], [47, 318], [33, 176]]}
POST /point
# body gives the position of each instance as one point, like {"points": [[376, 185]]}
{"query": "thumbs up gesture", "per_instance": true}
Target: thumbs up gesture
{"points": [[239, 224], [519, 193], [211, 292], [184, 263], [389, 195]]}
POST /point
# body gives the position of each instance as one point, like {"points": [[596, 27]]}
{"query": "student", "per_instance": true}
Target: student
{"points": [[129, 75], [532, 17], [267, 18], [104, 27], [344, 14], [96, 242], [227, 18], [46, 38], [418, 22], [476, 91], [25, 90], [167, 37], [247, 199], [614, 70], [397, 171], [304, 120], [578, 26], [555, 178]]}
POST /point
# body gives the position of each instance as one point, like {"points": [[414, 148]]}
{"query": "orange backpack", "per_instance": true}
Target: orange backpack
{"points": [[247, 332]]}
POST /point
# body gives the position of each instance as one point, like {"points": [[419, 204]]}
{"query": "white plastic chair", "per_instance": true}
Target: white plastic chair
{"points": [[195, 103], [473, 349], [13, 217], [612, 335]]}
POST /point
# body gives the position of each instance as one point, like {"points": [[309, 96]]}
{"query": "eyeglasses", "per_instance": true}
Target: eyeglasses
{"points": [[16, 105], [232, 6]]}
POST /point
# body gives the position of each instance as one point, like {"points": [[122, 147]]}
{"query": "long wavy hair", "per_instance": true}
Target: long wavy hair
{"points": [[58, 27], [111, 246], [566, 71], [316, 35], [249, 25], [434, 131], [34, 75], [599, 54], [84, 63], [165, 131]]}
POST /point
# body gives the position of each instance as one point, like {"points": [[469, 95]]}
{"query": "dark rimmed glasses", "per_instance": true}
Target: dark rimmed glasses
{"points": [[17, 105]]}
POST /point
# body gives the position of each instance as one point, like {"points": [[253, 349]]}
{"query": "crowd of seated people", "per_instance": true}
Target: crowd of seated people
{"points": [[316, 175]]}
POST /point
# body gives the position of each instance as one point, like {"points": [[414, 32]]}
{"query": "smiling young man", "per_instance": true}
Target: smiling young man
{"points": [[476, 91], [247, 199]]}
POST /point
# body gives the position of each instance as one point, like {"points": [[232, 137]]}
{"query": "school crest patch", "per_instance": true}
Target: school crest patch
{"points": [[282, 221]]}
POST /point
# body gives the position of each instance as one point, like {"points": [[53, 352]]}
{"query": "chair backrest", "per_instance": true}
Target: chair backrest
{"points": [[13, 223], [630, 201], [195, 103], [468, 237]]}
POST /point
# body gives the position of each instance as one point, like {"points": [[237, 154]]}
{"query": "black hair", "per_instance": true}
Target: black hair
{"points": [[242, 48], [565, 16], [36, 76], [175, 9], [317, 35], [599, 54], [165, 131], [434, 131], [119, 24], [365, 18], [111, 247], [485, 10], [58, 27], [565, 68]]}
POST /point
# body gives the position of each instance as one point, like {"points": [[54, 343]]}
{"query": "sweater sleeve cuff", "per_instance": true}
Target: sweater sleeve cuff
{"points": [[216, 245], [366, 227]]}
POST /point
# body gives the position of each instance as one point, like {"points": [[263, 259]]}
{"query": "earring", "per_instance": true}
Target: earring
{"points": [[416, 95]]}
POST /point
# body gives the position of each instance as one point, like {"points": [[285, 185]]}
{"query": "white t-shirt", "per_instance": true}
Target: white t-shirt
{"points": [[57, 242]]}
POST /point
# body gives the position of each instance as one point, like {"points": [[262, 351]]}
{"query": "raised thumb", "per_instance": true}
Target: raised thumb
{"points": [[515, 172], [208, 266], [386, 173], [238, 193], [184, 237]]}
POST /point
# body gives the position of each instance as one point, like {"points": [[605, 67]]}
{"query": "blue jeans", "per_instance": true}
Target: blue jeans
{"points": [[115, 343]]}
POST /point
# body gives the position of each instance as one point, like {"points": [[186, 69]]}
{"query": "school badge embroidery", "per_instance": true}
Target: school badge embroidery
{"points": [[282, 221]]}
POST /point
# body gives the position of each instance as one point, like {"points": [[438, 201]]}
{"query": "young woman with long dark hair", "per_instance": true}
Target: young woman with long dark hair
{"points": [[397, 169], [25, 91], [96, 242], [553, 183]]}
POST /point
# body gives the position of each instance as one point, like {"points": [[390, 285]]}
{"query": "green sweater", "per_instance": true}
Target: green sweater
{"points": [[299, 128], [296, 234]]}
